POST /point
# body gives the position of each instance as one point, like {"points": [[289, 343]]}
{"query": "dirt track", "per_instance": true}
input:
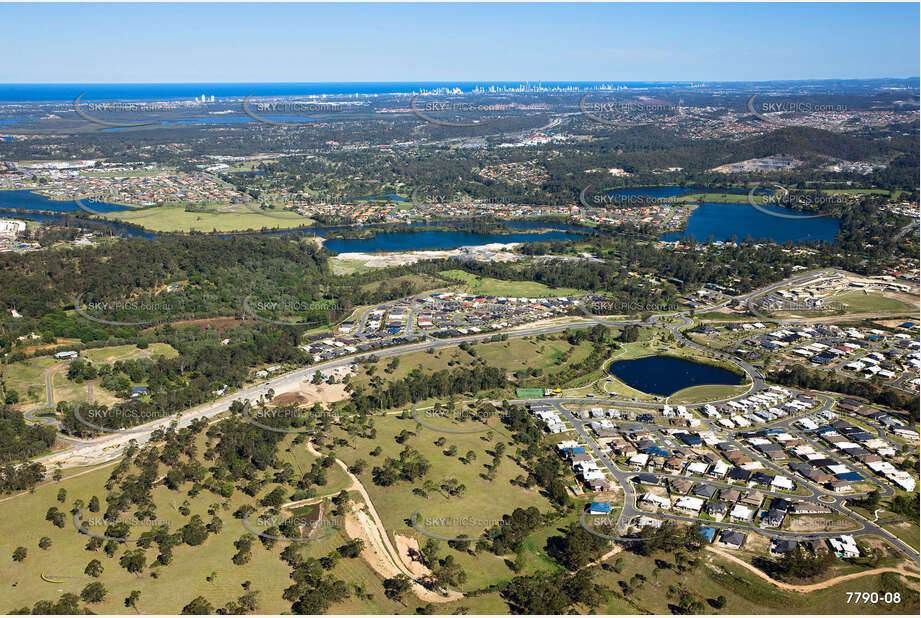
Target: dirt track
{"points": [[834, 581], [379, 552], [409, 546]]}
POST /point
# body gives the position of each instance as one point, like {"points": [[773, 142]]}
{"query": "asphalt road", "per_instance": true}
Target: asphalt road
{"points": [[110, 446], [836, 502]]}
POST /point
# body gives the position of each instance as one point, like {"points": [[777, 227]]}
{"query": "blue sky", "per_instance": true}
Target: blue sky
{"points": [[106, 43]]}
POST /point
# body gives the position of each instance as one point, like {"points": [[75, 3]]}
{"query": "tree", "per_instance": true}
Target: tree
{"points": [[55, 516], [519, 562], [630, 333], [247, 603], [19, 554], [870, 502], [199, 606], [905, 505], [429, 552], [274, 498], [576, 548], [195, 532], [688, 601], [292, 555], [395, 588], [67, 604], [215, 525], [93, 592], [132, 599], [93, 568], [800, 563], [547, 593], [461, 543], [719, 602], [448, 572], [44, 542], [110, 548], [352, 549], [133, 561]]}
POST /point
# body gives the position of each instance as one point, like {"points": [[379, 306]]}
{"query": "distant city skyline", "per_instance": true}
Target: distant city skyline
{"points": [[303, 43]]}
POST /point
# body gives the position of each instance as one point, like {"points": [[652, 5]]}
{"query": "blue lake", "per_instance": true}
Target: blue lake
{"points": [[396, 241], [27, 200], [665, 375], [723, 221]]}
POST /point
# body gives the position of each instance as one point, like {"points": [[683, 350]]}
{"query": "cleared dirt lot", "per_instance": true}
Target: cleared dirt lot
{"points": [[306, 393]]}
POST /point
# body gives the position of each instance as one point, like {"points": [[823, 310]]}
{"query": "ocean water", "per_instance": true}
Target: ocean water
{"points": [[68, 92]]}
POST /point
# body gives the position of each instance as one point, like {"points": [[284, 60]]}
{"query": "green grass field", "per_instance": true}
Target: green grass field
{"points": [[742, 198], [716, 198], [901, 526], [174, 585], [859, 302], [174, 218], [524, 353], [904, 529], [417, 281], [610, 385], [707, 392], [122, 352], [498, 287], [483, 503], [28, 376]]}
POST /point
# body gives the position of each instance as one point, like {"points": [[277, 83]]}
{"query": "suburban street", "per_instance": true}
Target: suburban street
{"points": [[110, 446], [630, 511]]}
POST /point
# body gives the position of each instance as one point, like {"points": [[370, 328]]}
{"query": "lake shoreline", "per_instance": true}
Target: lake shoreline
{"points": [[655, 373]]}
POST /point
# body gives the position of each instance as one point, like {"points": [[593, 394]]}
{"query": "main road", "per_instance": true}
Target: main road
{"points": [[111, 445]]}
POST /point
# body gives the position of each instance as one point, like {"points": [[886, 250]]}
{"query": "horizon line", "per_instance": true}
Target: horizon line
{"points": [[467, 81]]}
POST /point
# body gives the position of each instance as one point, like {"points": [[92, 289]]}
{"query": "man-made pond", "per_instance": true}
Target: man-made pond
{"points": [[666, 375]]}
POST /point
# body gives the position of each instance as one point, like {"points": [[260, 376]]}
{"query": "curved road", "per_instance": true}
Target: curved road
{"points": [[110, 446], [834, 501]]}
